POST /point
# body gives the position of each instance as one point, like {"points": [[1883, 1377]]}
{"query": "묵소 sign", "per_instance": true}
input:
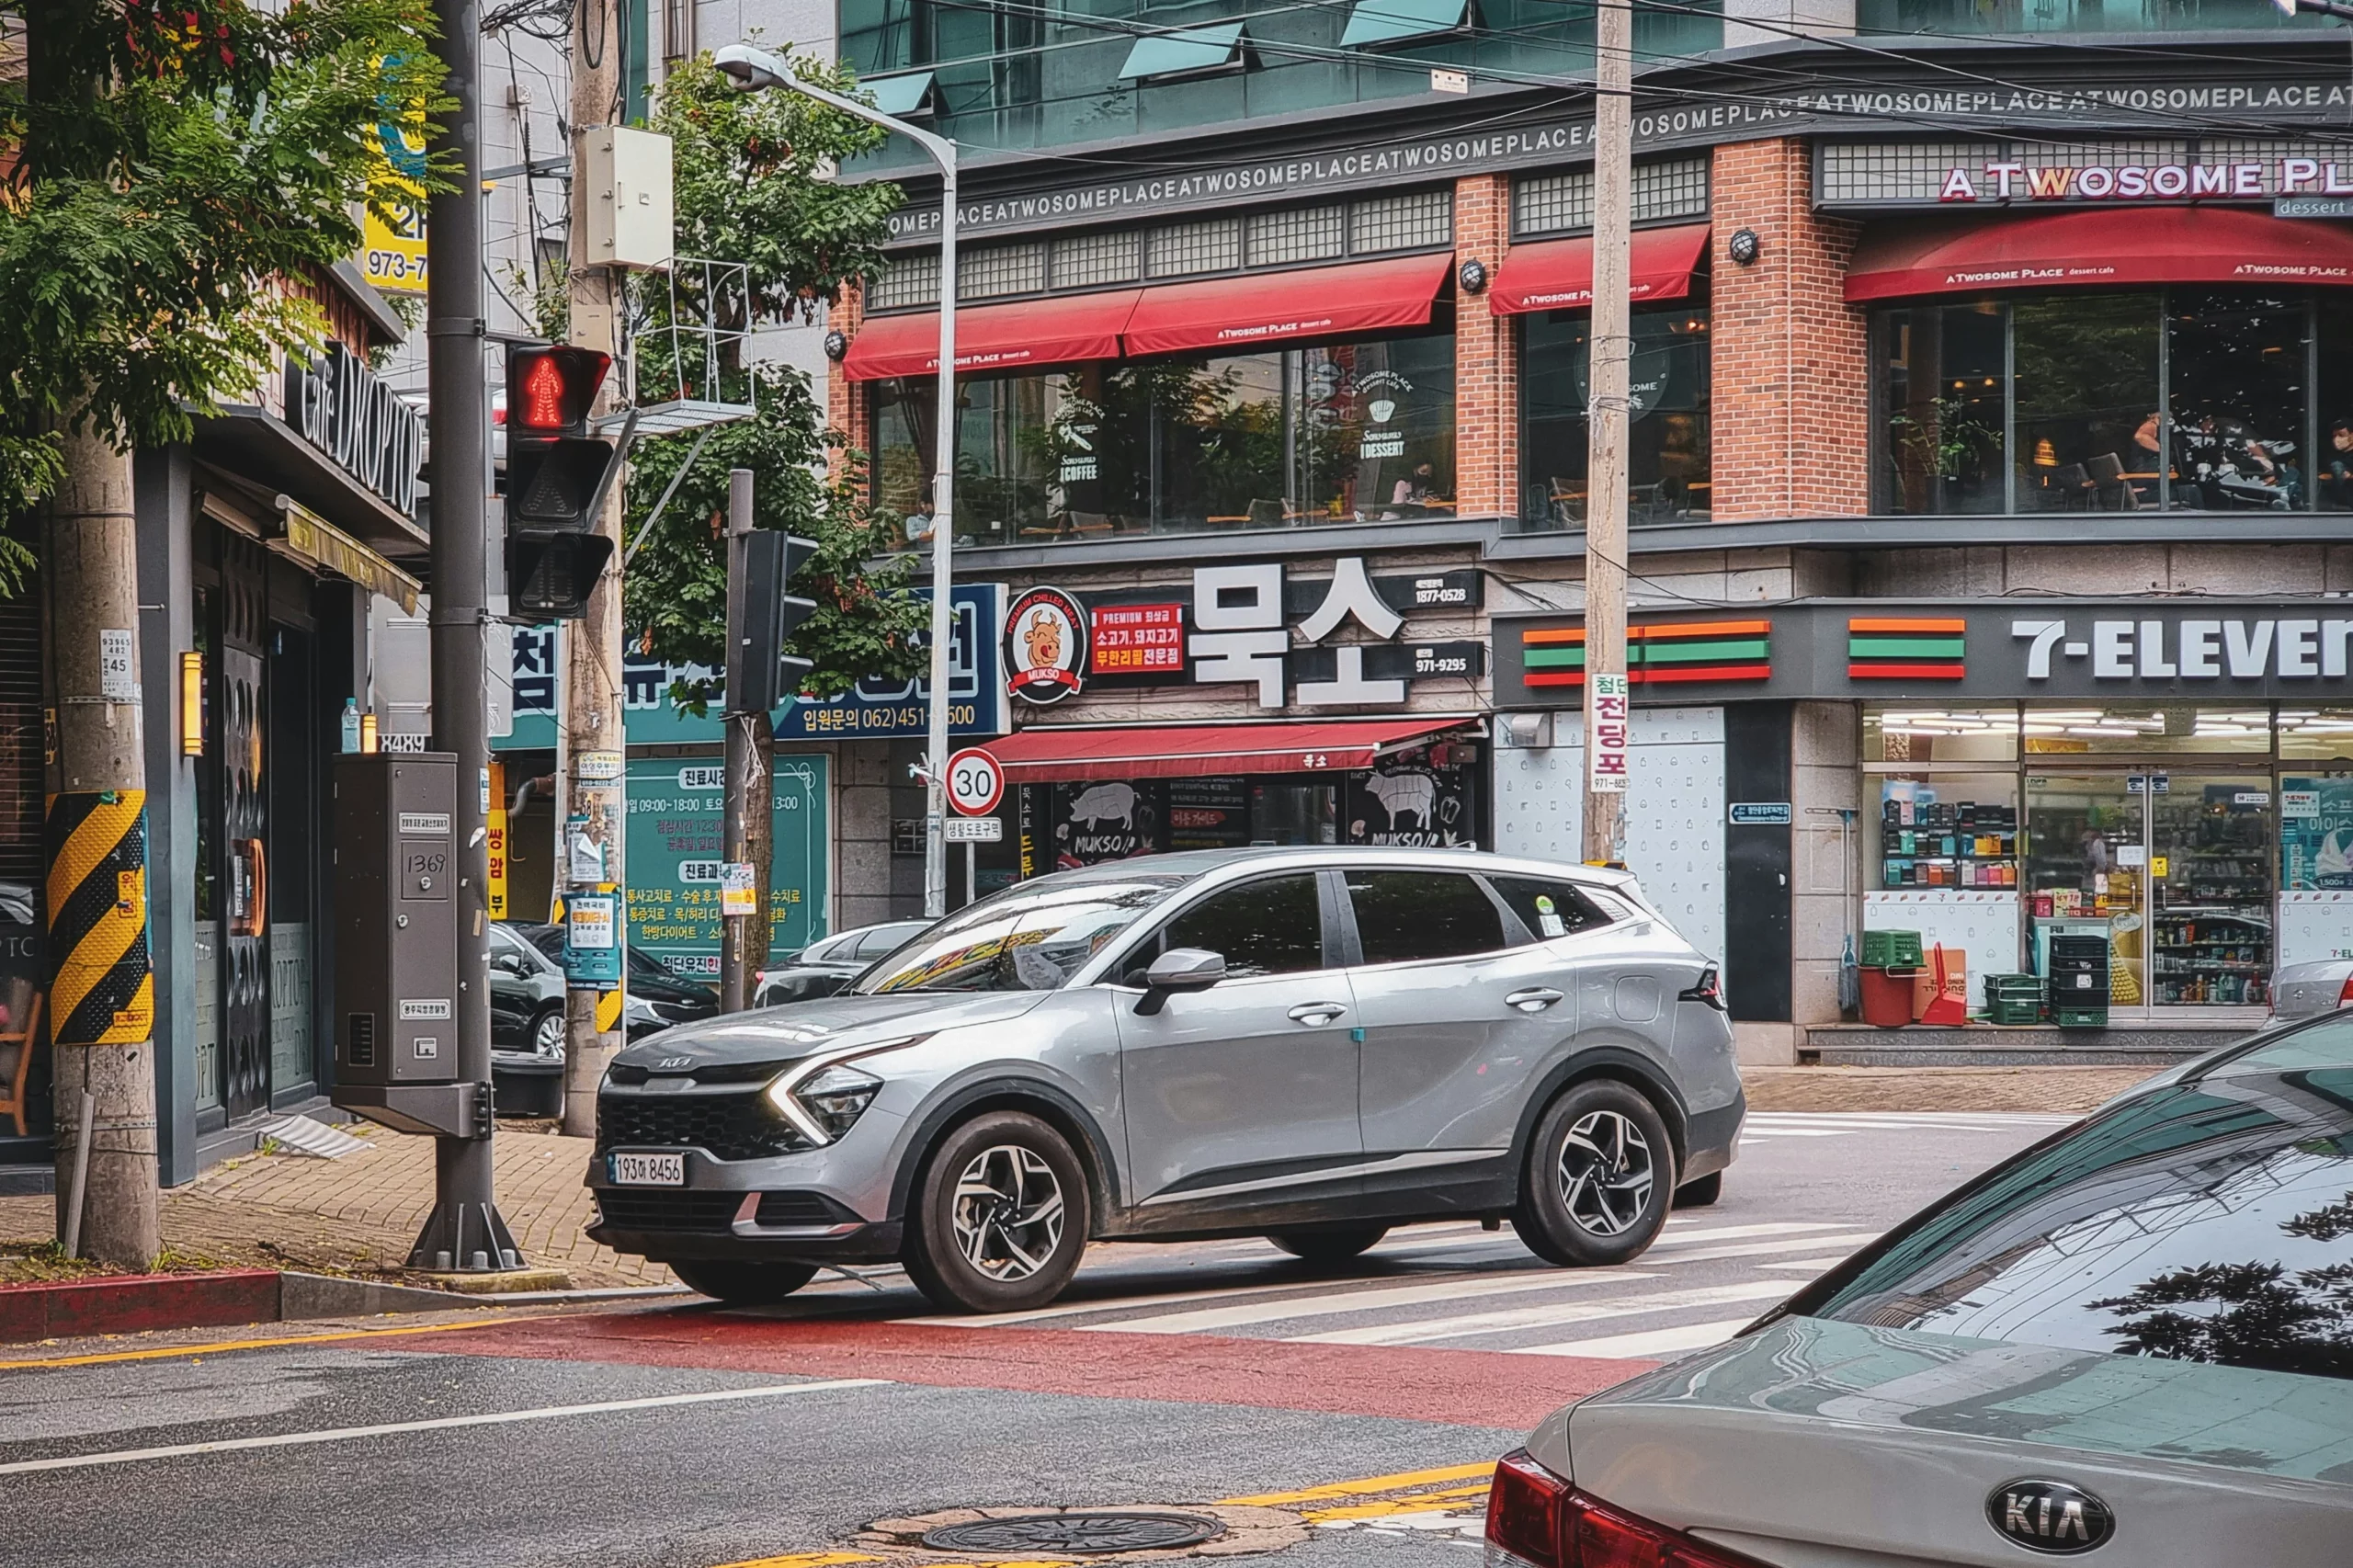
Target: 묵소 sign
{"points": [[677, 872]]}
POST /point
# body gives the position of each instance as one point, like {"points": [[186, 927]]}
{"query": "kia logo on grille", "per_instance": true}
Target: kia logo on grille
{"points": [[2050, 1515]]}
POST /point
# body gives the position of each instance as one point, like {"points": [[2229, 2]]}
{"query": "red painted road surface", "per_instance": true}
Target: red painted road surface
{"points": [[1473, 1388]]}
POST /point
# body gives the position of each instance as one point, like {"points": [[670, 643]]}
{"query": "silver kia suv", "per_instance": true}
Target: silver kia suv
{"points": [[1309, 1044]]}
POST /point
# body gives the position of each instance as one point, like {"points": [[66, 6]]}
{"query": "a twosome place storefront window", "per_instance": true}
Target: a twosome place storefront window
{"points": [[1667, 472], [1360, 431], [2207, 843], [2184, 399]]}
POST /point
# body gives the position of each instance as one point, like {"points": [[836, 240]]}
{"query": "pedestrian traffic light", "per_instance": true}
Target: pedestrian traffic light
{"points": [[557, 476], [761, 676]]}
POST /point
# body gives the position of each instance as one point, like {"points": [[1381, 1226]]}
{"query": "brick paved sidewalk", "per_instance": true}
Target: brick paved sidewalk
{"points": [[1937, 1088], [359, 1214]]}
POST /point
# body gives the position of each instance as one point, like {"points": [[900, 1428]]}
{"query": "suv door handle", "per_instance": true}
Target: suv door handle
{"points": [[1314, 1015], [1535, 999]]}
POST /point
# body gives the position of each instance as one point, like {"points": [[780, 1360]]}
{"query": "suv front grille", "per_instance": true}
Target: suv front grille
{"points": [[632, 1209], [732, 1127]]}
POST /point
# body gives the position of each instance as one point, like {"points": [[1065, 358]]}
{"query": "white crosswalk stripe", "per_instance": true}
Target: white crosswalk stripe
{"points": [[1644, 1343], [1209, 1320], [1552, 1314]]}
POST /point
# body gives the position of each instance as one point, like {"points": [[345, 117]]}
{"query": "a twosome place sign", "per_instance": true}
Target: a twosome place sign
{"points": [[2155, 648]]}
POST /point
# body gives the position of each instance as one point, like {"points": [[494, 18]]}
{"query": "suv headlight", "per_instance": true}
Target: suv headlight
{"points": [[833, 1098]]}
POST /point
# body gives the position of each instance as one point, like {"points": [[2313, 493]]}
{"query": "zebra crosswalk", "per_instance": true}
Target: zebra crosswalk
{"points": [[1770, 1124]]}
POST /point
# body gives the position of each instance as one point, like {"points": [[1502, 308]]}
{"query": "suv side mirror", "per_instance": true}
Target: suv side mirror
{"points": [[1179, 969]]}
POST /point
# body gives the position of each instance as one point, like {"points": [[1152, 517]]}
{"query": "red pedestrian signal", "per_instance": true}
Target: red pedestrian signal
{"points": [[549, 392], [558, 475]]}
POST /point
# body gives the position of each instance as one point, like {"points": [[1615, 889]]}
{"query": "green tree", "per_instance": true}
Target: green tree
{"points": [[751, 189], [168, 164]]}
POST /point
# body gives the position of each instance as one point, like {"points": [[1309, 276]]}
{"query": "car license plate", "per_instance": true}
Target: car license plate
{"points": [[646, 1170]]}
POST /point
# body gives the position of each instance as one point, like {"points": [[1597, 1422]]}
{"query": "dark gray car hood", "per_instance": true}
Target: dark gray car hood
{"points": [[799, 1029], [1812, 1442]]}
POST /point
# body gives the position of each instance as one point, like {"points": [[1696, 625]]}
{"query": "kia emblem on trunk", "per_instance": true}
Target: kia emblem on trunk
{"points": [[2050, 1515]]}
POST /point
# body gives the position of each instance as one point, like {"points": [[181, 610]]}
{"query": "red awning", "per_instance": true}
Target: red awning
{"points": [[1059, 331], [1557, 275], [1039, 756], [2112, 244], [1238, 314]]}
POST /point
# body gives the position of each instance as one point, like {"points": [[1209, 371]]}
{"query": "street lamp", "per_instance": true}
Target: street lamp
{"points": [[754, 69]]}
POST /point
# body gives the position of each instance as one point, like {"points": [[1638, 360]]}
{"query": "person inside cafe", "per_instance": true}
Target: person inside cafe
{"points": [[2336, 467], [1416, 490]]}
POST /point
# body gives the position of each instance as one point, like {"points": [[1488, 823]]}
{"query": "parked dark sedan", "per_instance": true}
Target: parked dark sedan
{"points": [[657, 997], [824, 968], [525, 997]]}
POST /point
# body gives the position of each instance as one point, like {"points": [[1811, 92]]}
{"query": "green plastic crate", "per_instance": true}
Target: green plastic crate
{"points": [[2080, 1017], [1892, 950], [2013, 1013], [2013, 988]]}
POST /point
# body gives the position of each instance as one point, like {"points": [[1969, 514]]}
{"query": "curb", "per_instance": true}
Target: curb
{"points": [[133, 1304]]}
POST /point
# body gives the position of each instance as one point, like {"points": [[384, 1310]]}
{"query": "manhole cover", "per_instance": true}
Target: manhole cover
{"points": [[1082, 1533]]}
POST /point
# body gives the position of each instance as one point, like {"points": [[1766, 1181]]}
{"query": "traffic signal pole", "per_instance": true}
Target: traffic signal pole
{"points": [[597, 752], [745, 763], [465, 1230]]}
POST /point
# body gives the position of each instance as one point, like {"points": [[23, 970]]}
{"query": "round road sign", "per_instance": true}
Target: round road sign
{"points": [[976, 782]]}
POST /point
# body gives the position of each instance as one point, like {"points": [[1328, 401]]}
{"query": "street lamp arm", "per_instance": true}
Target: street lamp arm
{"points": [[752, 69]]}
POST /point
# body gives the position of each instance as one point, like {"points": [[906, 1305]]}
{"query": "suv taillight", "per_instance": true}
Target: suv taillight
{"points": [[1709, 989], [1535, 1518]]}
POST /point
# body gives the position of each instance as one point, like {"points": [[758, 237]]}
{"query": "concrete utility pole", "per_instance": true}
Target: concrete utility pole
{"points": [[597, 755], [465, 1221], [745, 948], [1609, 353], [102, 987]]}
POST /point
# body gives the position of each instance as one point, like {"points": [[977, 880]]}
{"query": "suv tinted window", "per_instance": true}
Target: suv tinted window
{"points": [[1549, 907], [1422, 914], [1267, 926], [2205, 1221], [884, 940]]}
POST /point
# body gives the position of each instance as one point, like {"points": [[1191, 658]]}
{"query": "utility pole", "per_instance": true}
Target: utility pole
{"points": [[465, 1222], [102, 987], [1608, 352], [598, 754], [748, 780]]}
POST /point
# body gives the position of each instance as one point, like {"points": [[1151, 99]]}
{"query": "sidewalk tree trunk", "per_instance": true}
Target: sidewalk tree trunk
{"points": [[171, 169]]}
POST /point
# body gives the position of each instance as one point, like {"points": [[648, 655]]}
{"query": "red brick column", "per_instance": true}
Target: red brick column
{"points": [[845, 405], [1791, 429], [1486, 358]]}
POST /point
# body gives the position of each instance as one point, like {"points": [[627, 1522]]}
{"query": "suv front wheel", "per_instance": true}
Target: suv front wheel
{"points": [[1600, 1178], [1000, 1220]]}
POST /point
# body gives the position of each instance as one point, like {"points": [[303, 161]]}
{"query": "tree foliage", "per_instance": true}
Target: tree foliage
{"points": [[167, 164], [2250, 1315], [749, 190]]}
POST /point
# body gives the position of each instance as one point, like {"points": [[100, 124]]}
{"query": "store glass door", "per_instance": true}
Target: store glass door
{"points": [[2210, 862], [2173, 868], [2087, 874]]}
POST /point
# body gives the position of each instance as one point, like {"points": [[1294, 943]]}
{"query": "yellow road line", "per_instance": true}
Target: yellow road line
{"points": [[1370, 1484], [221, 1347], [804, 1560], [1419, 1503]]}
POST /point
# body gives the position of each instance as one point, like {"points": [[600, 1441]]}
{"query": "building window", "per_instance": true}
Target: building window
{"points": [[1553, 204], [1668, 454], [1090, 261], [1182, 249], [1421, 220], [992, 272], [907, 281], [1339, 432], [2191, 399], [1297, 234]]}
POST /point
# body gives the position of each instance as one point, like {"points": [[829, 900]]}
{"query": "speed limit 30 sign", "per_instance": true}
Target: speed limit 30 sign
{"points": [[976, 782]]}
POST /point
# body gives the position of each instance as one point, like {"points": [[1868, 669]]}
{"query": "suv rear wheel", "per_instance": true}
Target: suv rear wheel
{"points": [[745, 1284], [1000, 1220], [1600, 1178]]}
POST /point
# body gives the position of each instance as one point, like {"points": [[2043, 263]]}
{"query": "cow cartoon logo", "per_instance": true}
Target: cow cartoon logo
{"points": [[1045, 636]]}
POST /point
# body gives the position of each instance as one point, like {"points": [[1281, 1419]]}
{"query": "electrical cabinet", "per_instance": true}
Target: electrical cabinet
{"points": [[625, 180], [396, 915]]}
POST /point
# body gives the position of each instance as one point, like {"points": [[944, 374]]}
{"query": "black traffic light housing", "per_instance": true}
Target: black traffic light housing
{"points": [[558, 472], [761, 677]]}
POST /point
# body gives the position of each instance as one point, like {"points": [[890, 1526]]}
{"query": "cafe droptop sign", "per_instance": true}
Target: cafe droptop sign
{"points": [[2186, 649]]}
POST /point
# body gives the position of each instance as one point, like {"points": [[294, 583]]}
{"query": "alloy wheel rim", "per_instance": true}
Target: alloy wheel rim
{"points": [[1606, 1173], [1007, 1214], [551, 1037]]}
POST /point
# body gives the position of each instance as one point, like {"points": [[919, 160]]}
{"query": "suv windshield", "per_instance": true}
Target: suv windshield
{"points": [[1028, 938], [2207, 1221]]}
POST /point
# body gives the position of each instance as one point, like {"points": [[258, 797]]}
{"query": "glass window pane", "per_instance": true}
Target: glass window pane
{"points": [[2332, 467], [1550, 908], [1269, 926], [1667, 458], [2184, 1224], [1924, 732], [1376, 429], [1031, 939], [2087, 424], [1943, 381], [2162, 727], [2236, 371], [2316, 732], [1422, 914]]}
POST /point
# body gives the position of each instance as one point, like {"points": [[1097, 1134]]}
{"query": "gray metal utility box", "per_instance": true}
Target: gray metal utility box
{"points": [[396, 918]]}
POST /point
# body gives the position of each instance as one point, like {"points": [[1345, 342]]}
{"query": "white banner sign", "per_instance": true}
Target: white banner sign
{"points": [[1608, 729]]}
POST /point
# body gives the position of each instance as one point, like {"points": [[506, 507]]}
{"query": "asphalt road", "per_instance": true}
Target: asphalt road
{"points": [[1339, 1417]]}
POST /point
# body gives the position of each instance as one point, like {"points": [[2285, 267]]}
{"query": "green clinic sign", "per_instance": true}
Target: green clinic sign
{"points": [[676, 863]]}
